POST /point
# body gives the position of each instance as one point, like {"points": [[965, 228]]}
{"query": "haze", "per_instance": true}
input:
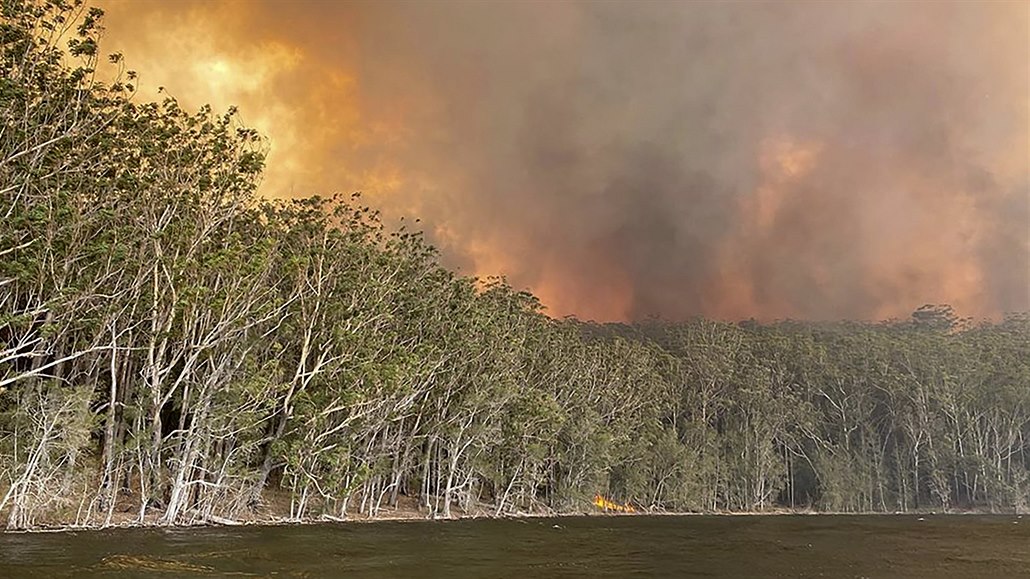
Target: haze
{"points": [[816, 160]]}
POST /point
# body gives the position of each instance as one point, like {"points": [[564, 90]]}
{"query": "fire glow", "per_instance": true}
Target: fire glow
{"points": [[682, 166], [611, 506]]}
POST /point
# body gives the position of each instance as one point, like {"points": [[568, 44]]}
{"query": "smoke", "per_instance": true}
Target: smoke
{"points": [[812, 160]]}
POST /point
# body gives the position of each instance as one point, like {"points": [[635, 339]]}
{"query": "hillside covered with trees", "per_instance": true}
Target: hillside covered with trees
{"points": [[174, 348]]}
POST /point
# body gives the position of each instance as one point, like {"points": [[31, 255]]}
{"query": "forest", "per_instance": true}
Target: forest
{"points": [[176, 349]]}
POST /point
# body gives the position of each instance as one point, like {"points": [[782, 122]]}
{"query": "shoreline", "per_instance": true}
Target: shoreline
{"points": [[409, 518]]}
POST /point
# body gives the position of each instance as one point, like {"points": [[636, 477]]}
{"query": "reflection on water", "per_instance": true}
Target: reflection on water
{"points": [[694, 546]]}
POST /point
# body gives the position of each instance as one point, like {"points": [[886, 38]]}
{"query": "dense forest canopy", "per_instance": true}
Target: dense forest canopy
{"points": [[175, 349]]}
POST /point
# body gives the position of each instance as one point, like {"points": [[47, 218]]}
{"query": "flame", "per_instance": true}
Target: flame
{"points": [[607, 505]]}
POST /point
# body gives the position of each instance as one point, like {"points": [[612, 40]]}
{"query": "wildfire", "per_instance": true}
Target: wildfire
{"points": [[607, 505], [883, 175]]}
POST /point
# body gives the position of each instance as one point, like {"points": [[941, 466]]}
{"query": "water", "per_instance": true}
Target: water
{"points": [[695, 546]]}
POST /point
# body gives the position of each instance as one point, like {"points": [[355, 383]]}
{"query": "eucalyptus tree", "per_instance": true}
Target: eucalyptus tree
{"points": [[56, 271]]}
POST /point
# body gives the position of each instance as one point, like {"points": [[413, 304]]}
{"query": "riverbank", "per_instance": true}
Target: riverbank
{"points": [[274, 511], [408, 510]]}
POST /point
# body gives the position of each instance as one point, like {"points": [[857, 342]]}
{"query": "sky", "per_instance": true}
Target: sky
{"points": [[624, 160]]}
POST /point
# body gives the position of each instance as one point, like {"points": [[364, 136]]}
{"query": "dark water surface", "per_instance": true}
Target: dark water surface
{"points": [[693, 546]]}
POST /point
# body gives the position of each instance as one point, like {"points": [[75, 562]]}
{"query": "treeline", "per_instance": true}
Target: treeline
{"points": [[175, 349]]}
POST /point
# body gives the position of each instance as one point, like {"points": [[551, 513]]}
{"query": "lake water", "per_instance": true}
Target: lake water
{"points": [[669, 546]]}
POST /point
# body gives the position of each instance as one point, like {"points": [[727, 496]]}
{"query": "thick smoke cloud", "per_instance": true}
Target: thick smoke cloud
{"points": [[810, 160]]}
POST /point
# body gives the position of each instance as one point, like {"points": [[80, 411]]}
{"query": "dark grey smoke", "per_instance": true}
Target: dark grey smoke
{"points": [[625, 159]]}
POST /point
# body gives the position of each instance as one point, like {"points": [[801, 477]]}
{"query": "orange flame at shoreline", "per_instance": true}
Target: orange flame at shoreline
{"points": [[607, 505]]}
